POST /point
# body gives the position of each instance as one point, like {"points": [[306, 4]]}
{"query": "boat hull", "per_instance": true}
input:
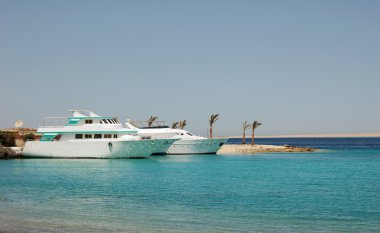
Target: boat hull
{"points": [[95, 148], [197, 146]]}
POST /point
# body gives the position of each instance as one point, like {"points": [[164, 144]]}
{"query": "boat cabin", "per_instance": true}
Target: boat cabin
{"points": [[82, 125]]}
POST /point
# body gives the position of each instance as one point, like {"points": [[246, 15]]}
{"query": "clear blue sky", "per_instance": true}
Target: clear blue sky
{"points": [[297, 66]]}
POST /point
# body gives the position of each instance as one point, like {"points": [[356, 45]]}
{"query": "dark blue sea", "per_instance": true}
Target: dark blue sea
{"points": [[336, 189], [320, 143]]}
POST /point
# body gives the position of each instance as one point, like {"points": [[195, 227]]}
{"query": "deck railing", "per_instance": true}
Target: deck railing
{"points": [[145, 124], [51, 122]]}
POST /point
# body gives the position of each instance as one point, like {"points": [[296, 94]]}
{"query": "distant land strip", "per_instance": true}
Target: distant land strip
{"points": [[356, 135]]}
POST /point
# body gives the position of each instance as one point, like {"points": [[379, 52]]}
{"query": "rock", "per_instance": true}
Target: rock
{"points": [[8, 153]]}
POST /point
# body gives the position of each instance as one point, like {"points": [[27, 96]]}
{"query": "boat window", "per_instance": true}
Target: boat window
{"points": [[107, 135], [88, 121], [109, 121], [113, 121], [97, 136], [117, 121], [78, 136], [115, 136], [189, 134], [88, 136]]}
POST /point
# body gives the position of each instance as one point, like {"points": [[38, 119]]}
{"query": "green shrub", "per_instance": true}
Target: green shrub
{"points": [[29, 136], [7, 139]]}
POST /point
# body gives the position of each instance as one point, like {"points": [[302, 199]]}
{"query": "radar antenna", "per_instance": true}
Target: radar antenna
{"points": [[19, 124]]}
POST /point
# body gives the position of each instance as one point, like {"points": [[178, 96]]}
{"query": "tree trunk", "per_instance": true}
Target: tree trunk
{"points": [[243, 142], [253, 138], [210, 132]]}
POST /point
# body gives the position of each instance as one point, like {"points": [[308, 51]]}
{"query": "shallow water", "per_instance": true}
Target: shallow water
{"points": [[335, 190]]}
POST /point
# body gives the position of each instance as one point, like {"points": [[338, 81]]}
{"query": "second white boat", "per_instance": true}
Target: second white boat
{"points": [[186, 144]]}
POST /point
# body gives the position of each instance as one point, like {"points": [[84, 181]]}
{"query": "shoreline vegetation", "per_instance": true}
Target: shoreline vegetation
{"points": [[233, 149]]}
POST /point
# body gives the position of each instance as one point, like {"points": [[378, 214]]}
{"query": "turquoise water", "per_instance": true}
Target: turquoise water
{"points": [[335, 190]]}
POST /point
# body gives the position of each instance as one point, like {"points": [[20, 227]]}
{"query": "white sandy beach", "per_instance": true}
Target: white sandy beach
{"points": [[249, 149]]}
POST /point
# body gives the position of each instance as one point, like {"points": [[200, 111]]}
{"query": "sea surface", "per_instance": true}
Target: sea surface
{"points": [[336, 189]]}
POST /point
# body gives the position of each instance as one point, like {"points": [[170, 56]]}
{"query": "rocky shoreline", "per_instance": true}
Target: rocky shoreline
{"points": [[249, 149], [9, 153]]}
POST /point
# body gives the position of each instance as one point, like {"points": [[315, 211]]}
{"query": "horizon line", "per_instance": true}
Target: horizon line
{"points": [[345, 135]]}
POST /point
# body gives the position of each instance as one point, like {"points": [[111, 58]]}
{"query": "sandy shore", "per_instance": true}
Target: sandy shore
{"points": [[249, 149]]}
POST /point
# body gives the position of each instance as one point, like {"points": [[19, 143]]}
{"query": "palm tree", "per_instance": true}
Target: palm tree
{"points": [[182, 124], [245, 127], [175, 125], [151, 120], [255, 124], [212, 120]]}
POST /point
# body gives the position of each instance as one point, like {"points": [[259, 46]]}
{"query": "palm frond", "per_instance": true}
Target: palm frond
{"points": [[151, 120], [213, 119], [174, 125], [246, 125], [182, 124], [255, 124]]}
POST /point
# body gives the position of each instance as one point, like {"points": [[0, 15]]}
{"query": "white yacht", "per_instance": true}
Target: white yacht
{"points": [[87, 135], [186, 144]]}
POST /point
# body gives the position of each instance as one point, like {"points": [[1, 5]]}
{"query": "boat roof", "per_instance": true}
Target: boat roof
{"points": [[83, 113], [76, 116]]}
